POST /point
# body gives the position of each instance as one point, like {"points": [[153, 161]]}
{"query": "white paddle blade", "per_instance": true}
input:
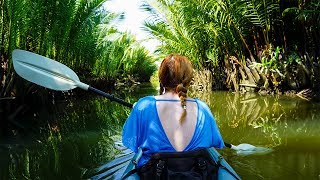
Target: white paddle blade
{"points": [[44, 71], [247, 149]]}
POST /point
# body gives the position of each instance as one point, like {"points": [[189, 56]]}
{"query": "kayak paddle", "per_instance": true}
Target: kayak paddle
{"points": [[56, 76], [52, 74]]}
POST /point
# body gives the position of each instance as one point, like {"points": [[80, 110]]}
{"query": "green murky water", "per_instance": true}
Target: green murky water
{"points": [[84, 131]]}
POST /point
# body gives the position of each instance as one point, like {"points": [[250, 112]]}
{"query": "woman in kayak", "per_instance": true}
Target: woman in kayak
{"points": [[171, 121]]}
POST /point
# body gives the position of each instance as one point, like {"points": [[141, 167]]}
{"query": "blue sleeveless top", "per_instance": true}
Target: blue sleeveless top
{"points": [[143, 129]]}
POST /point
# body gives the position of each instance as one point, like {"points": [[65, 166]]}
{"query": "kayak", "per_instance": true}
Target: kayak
{"points": [[123, 166]]}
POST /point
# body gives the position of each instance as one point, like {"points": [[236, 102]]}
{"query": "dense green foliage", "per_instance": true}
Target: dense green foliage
{"points": [[222, 35], [125, 57], [72, 32], [77, 33]]}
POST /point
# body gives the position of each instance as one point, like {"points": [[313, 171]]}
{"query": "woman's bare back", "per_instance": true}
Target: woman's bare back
{"points": [[169, 112]]}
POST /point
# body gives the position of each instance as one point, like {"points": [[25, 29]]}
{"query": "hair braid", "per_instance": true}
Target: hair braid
{"points": [[181, 90]]}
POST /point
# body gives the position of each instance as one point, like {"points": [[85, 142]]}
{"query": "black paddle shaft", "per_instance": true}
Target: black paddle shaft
{"points": [[227, 145], [111, 97]]}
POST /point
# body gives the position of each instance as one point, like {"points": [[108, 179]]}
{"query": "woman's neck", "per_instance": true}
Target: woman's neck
{"points": [[169, 95]]}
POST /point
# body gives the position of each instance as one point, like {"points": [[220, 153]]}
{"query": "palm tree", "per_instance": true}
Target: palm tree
{"points": [[123, 56], [225, 36]]}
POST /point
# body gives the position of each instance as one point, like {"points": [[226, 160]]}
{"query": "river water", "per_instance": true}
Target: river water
{"points": [[83, 133]]}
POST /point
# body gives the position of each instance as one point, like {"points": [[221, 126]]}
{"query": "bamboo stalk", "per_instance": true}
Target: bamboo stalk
{"points": [[7, 98], [262, 75], [249, 74], [255, 74], [249, 85], [243, 75]]}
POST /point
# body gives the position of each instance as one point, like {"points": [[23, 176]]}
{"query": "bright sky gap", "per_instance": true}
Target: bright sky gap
{"points": [[134, 18]]}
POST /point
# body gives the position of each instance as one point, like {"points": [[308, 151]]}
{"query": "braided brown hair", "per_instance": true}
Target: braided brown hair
{"points": [[175, 74]]}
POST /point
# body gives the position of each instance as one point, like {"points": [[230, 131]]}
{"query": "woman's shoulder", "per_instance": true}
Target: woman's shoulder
{"points": [[200, 102], [144, 102], [147, 99], [203, 106]]}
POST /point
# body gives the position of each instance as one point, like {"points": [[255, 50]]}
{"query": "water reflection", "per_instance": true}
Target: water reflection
{"points": [[288, 125], [82, 136], [261, 119]]}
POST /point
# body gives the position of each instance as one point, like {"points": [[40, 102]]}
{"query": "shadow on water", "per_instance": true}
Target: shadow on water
{"points": [[84, 132]]}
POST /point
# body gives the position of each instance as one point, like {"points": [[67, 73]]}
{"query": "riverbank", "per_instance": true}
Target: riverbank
{"points": [[204, 81]]}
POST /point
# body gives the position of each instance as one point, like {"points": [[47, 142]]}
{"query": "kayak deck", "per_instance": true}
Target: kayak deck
{"points": [[123, 165]]}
